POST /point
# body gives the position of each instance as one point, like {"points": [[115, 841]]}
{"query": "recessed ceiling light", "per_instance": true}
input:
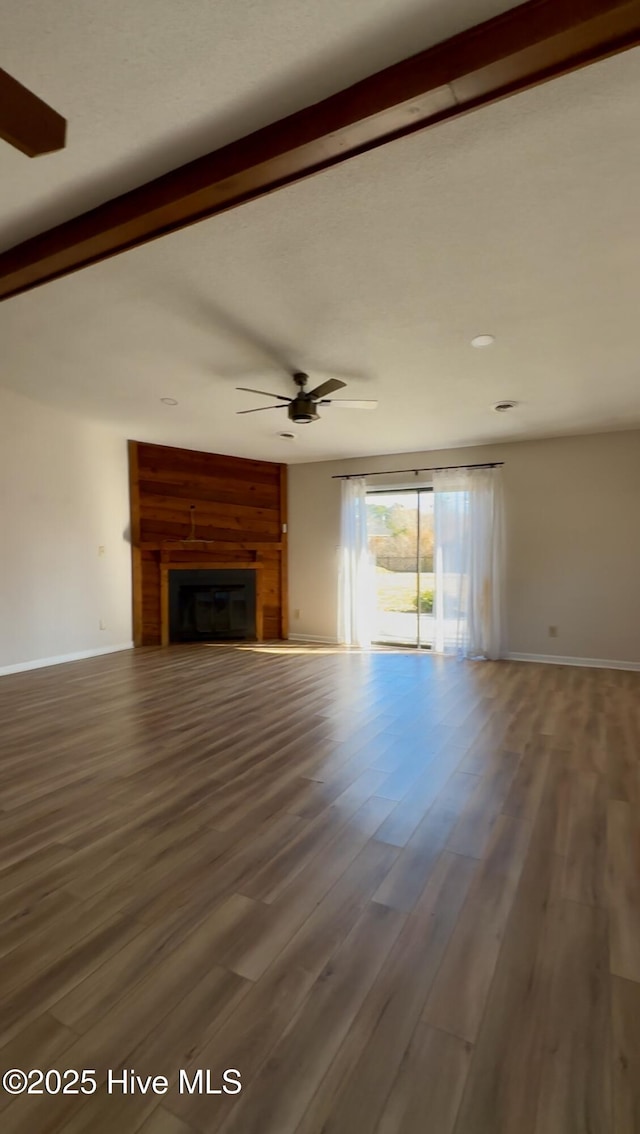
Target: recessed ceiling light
{"points": [[483, 340], [288, 436], [504, 406], [168, 401]]}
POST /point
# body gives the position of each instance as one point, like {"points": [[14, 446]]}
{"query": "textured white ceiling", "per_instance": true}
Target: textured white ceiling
{"points": [[149, 84], [519, 220]]}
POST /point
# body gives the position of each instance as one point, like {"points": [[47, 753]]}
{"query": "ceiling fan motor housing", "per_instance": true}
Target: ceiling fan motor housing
{"points": [[302, 410]]}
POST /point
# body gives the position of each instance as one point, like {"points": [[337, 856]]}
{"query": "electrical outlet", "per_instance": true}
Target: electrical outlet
{"points": [[296, 614], [102, 624], [553, 631], [101, 550]]}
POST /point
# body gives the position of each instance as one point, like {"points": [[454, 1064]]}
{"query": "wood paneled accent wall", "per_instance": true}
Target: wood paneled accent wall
{"points": [[200, 508]]}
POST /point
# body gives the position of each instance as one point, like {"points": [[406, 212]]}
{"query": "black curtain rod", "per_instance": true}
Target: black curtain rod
{"points": [[433, 468]]}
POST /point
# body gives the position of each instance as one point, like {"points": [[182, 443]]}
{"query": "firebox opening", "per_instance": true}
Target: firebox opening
{"points": [[206, 606]]}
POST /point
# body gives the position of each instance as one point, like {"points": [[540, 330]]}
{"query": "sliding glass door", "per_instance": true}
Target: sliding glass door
{"points": [[400, 527]]}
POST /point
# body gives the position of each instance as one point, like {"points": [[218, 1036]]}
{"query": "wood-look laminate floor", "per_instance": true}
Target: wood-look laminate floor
{"points": [[398, 893]]}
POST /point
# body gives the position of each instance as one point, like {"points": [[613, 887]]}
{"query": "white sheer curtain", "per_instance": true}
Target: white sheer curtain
{"points": [[354, 605], [469, 562]]}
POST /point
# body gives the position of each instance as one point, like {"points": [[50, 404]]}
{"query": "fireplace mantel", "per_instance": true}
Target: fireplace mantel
{"points": [[206, 545]]}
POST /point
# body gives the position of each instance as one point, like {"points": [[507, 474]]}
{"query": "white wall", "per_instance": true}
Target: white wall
{"points": [[573, 528], [63, 494]]}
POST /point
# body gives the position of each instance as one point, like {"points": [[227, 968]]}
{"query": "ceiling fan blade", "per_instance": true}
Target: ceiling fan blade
{"points": [[266, 393], [327, 388], [349, 403], [259, 409]]}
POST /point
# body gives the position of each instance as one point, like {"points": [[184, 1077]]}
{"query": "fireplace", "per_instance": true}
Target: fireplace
{"points": [[212, 605]]}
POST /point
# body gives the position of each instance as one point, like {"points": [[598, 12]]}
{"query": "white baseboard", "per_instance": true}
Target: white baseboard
{"points": [[41, 663], [589, 663], [313, 638]]}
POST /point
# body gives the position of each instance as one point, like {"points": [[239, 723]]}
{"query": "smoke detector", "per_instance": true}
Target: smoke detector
{"points": [[483, 340], [288, 436], [504, 406]]}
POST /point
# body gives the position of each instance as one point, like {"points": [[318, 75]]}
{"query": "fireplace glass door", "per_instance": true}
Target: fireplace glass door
{"points": [[212, 605]]}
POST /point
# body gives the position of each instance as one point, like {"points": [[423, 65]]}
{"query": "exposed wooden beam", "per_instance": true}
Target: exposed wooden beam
{"points": [[27, 122], [528, 45]]}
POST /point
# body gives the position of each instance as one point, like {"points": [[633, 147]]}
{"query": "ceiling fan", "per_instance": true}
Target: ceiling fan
{"points": [[303, 406]]}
